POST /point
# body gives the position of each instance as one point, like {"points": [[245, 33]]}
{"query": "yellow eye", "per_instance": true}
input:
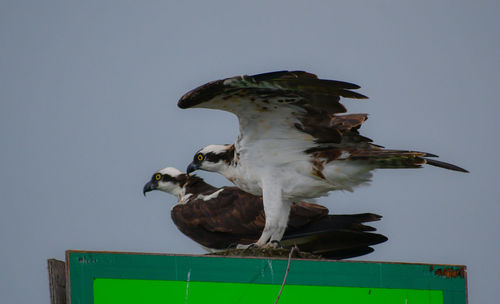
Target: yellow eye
{"points": [[199, 157], [157, 176]]}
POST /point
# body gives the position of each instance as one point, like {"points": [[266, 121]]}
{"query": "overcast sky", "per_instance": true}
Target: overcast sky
{"points": [[88, 94]]}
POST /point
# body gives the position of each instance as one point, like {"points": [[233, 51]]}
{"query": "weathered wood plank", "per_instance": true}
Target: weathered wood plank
{"points": [[57, 281]]}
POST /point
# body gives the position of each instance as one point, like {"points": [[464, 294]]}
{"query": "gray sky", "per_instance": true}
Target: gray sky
{"points": [[88, 112]]}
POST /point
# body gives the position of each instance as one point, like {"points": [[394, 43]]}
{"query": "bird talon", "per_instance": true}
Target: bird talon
{"points": [[274, 244], [245, 247], [232, 245]]}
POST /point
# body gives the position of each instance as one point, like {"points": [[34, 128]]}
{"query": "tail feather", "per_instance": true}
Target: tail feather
{"points": [[394, 159], [337, 236], [444, 165], [339, 244], [354, 222], [348, 253]]}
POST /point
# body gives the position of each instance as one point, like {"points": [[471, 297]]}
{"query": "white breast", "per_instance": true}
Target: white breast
{"points": [[269, 144], [293, 172]]}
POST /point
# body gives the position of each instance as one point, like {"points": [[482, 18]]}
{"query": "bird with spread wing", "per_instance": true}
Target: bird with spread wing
{"points": [[293, 144], [217, 218]]}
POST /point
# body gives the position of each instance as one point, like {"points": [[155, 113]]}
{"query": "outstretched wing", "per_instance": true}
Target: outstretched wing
{"points": [[301, 110], [278, 105]]}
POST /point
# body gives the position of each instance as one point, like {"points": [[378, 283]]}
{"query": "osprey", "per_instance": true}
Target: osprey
{"points": [[218, 217], [293, 145]]}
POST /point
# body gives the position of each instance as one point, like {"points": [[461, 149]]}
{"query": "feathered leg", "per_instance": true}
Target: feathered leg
{"points": [[276, 211], [283, 215]]}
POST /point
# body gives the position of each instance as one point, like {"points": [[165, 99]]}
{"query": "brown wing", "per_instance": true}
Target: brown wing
{"points": [[240, 213], [233, 211], [230, 219], [334, 129], [302, 214]]}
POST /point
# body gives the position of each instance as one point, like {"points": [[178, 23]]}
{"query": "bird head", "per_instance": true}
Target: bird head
{"points": [[214, 158], [168, 180]]}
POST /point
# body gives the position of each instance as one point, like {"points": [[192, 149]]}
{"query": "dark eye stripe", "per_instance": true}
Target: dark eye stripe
{"points": [[214, 158], [167, 178]]}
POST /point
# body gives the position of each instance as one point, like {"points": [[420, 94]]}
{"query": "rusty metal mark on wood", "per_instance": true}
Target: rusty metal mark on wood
{"points": [[449, 272]]}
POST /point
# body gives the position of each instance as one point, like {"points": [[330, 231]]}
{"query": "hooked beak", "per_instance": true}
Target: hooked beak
{"points": [[149, 186], [192, 167]]}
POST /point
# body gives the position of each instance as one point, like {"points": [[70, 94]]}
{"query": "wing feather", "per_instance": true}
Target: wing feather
{"points": [[296, 87], [292, 101], [237, 212]]}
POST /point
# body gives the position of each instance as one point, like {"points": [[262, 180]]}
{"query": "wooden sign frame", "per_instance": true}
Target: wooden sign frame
{"points": [[103, 277]]}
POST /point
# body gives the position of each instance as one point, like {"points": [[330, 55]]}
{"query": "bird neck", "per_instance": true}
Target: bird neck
{"points": [[196, 185]]}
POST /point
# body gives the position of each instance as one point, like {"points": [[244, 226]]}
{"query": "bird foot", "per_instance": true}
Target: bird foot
{"points": [[273, 244], [232, 246], [249, 246]]}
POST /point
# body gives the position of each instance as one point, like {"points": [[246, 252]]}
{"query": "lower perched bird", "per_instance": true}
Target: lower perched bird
{"points": [[218, 218]]}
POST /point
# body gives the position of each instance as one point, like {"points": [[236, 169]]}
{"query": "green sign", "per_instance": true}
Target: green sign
{"points": [[99, 277]]}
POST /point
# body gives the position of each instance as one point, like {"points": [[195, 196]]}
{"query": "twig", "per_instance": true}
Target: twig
{"points": [[286, 273]]}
